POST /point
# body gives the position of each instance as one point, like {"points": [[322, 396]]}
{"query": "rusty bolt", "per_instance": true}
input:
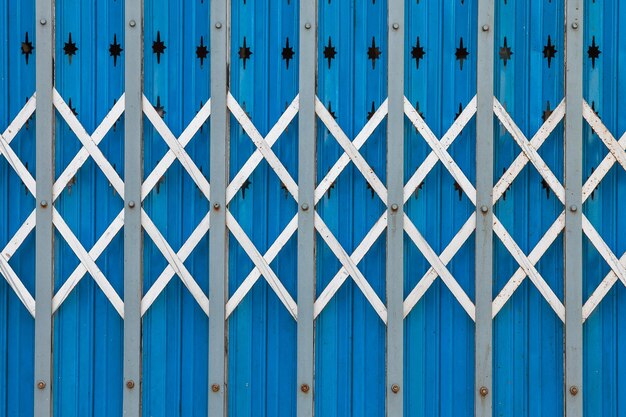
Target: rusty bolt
{"points": [[305, 388], [216, 206], [573, 208], [573, 390], [484, 209], [130, 384], [44, 203], [215, 387], [395, 388], [483, 391], [307, 26], [394, 207], [41, 384]]}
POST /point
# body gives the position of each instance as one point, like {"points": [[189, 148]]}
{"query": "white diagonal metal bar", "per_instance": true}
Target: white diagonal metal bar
{"points": [[171, 155], [604, 134], [177, 148], [351, 267], [174, 261], [600, 172], [262, 265], [602, 290], [353, 153]]}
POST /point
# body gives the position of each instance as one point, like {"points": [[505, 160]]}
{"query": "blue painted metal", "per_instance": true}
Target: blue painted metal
{"points": [[17, 84], [175, 332], [528, 335], [603, 88]]}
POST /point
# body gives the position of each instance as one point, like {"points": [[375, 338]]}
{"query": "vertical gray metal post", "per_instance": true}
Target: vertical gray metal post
{"points": [[133, 177], [395, 210], [44, 232], [306, 210], [573, 208], [218, 234], [484, 211]]}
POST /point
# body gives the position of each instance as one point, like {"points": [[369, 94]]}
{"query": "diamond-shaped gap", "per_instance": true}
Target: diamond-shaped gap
{"points": [[595, 270], [415, 265], [18, 202], [23, 265]]}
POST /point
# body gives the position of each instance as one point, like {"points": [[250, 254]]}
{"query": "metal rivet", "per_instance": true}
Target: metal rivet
{"points": [[216, 206], [485, 28], [44, 203], [218, 25], [131, 204], [307, 26], [573, 208], [395, 26], [394, 207], [305, 207], [305, 388], [484, 209], [41, 385], [130, 384], [483, 391], [573, 390], [43, 22], [132, 23], [574, 25], [215, 387], [395, 388]]}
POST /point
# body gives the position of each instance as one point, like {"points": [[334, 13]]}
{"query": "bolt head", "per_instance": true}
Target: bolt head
{"points": [[395, 388], [43, 22], [573, 208], [218, 25], [574, 25], [215, 387], [43, 203], [485, 28], [395, 26], [131, 204], [484, 209], [41, 384], [573, 390], [394, 207], [130, 384], [305, 207], [483, 391], [216, 206], [305, 388], [132, 23], [307, 26]]}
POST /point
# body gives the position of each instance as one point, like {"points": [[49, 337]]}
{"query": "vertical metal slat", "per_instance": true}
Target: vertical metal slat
{"points": [[306, 197], [133, 176], [44, 234], [395, 210], [484, 210], [573, 203], [218, 256]]}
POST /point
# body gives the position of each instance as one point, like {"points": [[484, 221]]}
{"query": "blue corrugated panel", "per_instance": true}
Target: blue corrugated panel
{"points": [[17, 84], [352, 83], [87, 329], [262, 333], [175, 333], [604, 88], [440, 62], [528, 335]]}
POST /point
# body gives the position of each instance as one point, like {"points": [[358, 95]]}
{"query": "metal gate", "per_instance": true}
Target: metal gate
{"points": [[301, 207]]}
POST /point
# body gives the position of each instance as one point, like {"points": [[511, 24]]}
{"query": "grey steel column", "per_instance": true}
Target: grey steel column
{"points": [[218, 252], [395, 210], [133, 177], [44, 232], [483, 398], [306, 201], [573, 208]]}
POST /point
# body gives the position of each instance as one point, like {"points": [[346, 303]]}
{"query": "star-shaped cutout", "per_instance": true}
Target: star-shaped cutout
{"points": [[159, 108], [244, 52], [331, 111], [27, 47], [593, 52], [70, 48], [417, 53], [457, 114], [549, 51], [287, 53], [461, 53], [329, 52], [202, 51], [370, 113], [158, 47], [115, 50], [421, 113], [373, 52], [246, 184], [505, 52], [546, 113], [72, 108]]}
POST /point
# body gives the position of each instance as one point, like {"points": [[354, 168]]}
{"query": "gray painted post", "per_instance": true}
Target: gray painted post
{"points": [[483, 392], [218, 255], [573, 208], [44, 232], [306, 197], [395, 210], [133, 177]]}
